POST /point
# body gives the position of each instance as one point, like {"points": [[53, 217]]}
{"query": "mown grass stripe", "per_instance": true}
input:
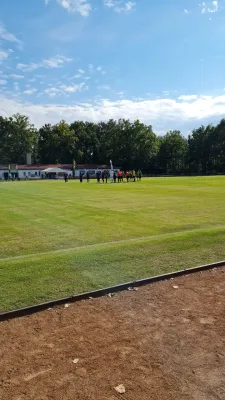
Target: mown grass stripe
{"points": [[113, 243]]}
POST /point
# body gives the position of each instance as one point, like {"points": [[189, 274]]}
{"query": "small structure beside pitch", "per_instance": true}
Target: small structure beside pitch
{"points": [[42, 171]]}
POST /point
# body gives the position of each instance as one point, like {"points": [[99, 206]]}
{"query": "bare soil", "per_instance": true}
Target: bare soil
{"points": [[165, 341]]}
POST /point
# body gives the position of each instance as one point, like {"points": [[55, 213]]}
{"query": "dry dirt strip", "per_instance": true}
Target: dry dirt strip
{"points": [[165, 341]]}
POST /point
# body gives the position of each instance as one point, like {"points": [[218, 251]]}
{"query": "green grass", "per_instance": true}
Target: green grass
{"points": [[173, 223]]}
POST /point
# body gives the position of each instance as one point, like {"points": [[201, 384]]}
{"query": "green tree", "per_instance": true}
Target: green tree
{"points": [[57, 143], [172, 155], [17, 138], [200, 150]]}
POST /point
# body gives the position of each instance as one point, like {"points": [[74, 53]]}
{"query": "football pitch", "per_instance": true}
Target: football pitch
{"points": [[59, 239]]}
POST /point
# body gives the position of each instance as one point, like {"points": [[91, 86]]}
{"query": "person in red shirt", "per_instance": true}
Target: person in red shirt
{"points": [[127, 176], [120, 175]]}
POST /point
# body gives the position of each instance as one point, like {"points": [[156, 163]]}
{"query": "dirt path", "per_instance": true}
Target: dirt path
{"points": [[160, 342]]}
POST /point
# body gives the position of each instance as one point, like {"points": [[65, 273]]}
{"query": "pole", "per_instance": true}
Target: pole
{"points": [[74, 167]]}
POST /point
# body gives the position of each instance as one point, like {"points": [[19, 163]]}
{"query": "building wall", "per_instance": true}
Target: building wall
{"points": [[26, 173], [37, 173]]}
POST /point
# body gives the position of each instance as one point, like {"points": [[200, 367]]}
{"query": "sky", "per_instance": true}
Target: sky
{"points": [[159, 61]]}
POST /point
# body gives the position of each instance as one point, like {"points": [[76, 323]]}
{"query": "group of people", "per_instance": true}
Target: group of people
{"points": [[115, 176]]}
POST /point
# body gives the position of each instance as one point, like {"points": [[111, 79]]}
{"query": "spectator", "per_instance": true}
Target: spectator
{"points": [[103, 176], [127, 175]]}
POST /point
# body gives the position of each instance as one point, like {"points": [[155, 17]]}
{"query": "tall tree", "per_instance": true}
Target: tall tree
{"points": [[199, 149], [57, 143], [173, 152], [17, 138]]}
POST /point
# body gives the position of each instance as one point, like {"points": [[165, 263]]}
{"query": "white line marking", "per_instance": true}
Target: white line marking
{"points": [[112, 243]]}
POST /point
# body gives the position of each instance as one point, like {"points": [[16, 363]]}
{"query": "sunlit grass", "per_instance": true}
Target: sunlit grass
{"points": [[41, 217]]}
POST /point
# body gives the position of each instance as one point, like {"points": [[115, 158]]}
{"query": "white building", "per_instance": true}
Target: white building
{"points": [[37, 171]]}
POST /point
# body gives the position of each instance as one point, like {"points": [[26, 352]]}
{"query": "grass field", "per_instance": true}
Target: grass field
{"points": [[59, 239]]}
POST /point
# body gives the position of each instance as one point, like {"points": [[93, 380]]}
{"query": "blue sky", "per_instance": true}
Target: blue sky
{"points": [[160, 61]]}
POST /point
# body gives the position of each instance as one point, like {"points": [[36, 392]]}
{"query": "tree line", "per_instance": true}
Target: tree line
{"points": [[129, 144]]}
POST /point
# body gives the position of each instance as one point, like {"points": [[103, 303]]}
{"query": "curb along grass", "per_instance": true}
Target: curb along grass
{"points": [[104, 291]]}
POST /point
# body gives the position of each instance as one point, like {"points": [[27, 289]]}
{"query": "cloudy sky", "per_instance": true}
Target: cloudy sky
{"points": [[161, 61]]}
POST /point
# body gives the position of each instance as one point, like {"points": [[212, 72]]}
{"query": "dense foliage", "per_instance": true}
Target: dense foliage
{"points": [[128, 144]]}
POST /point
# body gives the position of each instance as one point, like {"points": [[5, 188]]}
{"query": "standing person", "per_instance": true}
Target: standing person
{"points": [[114, 177], [111, 175], [134, 175], [106, 176], [81, 177], [103, 176], [127, 175], [88, 176], [139, 174], [130, 175], [98, 175], [65, 178]]}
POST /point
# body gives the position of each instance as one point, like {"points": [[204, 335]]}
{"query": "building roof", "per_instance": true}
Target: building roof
{"points": [[41, 167]]}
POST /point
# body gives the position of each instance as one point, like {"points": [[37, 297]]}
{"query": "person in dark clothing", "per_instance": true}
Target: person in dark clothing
{"points": [[88, 176], [81, 177], [106, 176], [65, 177], [114, 177], [98, 176], [103, 176]]}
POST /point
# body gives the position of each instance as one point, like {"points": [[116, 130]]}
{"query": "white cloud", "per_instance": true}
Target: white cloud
{"points": [[30, 91], [55, 62], [119, 5], [100, 69], [65, 89], [3, 55], [27, 67], [3, 82], [14, 76], [73, 88], [5, 35], [52, 92], [81, 71], [82, 7], [110, 3], [163, 114], [209, 7], [104, 87], [186, 11], [187, 97]]}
